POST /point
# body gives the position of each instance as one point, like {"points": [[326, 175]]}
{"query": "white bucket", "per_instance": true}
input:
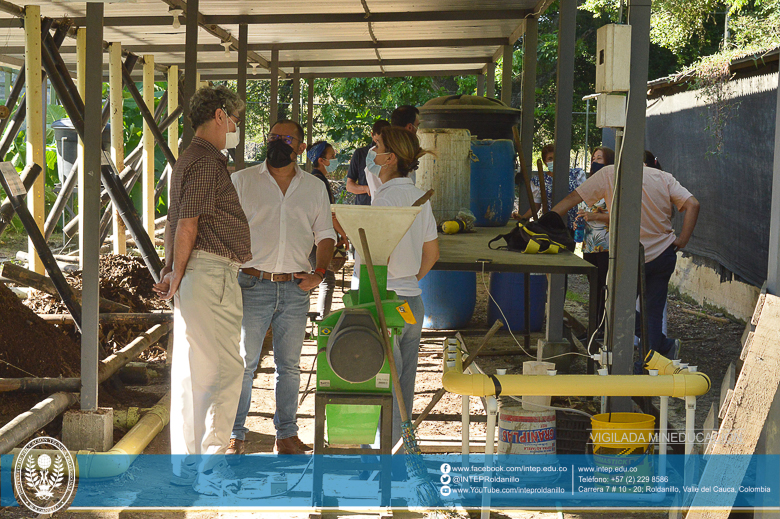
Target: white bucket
{"points": [[447, 171], [521, 431]]}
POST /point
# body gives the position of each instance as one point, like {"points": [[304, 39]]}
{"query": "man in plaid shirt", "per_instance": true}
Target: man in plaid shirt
{"points": [[206, 240]]}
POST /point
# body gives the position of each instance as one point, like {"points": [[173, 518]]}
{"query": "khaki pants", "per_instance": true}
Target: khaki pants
{"points": [[207, 367]]}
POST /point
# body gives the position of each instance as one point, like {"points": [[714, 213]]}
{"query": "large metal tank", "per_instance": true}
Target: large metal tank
{"points": [[447, 171], [484, 117]]}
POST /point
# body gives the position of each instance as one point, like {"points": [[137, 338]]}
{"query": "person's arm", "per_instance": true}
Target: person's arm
{"points": [[594, 217], [528, 213], [430, 255], [340, 230], [186, 232], [168, 267], [324, 256], [691, 210], [354, 187], [567, 203]]}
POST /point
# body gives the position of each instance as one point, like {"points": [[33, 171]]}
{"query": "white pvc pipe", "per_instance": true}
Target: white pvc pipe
{"points": [[492, 411], [465, 448], [663, 424], [690, 422]]}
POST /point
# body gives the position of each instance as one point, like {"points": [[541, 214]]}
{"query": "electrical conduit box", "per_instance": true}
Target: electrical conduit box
{"points": [[610, 111], [613, 58]]}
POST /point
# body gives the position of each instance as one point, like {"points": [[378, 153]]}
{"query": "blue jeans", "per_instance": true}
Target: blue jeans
{"points": [[283, 306], [657, 275]]}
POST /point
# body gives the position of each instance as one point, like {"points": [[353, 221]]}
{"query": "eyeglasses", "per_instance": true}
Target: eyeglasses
{"points": [[236, 119], [286, 138]]}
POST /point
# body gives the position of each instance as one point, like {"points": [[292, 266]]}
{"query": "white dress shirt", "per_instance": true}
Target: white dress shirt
{"points": [[406, 258], [283, 227]]}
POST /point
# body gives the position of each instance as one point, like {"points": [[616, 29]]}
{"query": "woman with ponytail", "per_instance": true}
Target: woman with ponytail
{"points": [[396, 155]]}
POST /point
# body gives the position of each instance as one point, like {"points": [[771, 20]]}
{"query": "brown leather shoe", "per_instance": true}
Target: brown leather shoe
{"points": [[236, 446], [301, 445], [292, 445]]}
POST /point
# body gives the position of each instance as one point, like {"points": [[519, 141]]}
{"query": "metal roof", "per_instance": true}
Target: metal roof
{"points": [[323, 38]]}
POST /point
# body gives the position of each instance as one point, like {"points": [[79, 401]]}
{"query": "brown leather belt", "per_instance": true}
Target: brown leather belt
{"points": [[276, 278]]}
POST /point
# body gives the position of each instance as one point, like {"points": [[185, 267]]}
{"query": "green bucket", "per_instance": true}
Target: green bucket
{"points": [[351, 424]]}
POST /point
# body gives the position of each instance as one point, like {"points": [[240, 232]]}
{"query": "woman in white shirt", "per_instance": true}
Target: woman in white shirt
{"points": [[395, 156]]}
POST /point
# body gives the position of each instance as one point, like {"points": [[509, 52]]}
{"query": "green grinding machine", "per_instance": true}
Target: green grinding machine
{"points": [[350, 353]]}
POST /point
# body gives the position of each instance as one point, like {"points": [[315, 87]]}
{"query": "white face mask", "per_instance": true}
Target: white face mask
{"points": [[372, 166], [232, 138], [550, 166]]}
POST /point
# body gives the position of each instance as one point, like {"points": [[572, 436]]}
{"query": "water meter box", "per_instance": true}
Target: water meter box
{"points": [[613, 58]]}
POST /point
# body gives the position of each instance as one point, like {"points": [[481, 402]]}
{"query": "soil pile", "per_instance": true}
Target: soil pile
{"points": [[123, 279], [31, 347]]}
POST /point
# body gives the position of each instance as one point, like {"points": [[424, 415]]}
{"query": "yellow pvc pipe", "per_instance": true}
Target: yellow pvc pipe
{"points": [[116, 461], [676, 385]]}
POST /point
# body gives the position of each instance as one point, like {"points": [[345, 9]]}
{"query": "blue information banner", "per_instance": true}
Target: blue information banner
{"points": [[441, 481]]}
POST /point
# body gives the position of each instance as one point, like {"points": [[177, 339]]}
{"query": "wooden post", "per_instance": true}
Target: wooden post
{"points": [[273, 113], [148, 139], [115, 91], [36, 153], [173, 104], [296, 95], [506, 75], [491, 79], [481, 84], [310, 117], [81, 74]]}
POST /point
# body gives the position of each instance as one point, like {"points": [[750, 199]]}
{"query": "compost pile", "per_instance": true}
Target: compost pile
{"points": [[123, 279], [31, 347]]}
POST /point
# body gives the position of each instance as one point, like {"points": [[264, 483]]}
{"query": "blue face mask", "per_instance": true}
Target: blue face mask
{"points": [[372, 166], [332, 166]]}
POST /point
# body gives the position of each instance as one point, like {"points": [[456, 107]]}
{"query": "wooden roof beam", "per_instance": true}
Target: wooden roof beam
{"points": [[284, 19]]}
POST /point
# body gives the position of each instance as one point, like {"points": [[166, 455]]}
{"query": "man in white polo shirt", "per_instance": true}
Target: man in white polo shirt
{"points": [[288, 212]]}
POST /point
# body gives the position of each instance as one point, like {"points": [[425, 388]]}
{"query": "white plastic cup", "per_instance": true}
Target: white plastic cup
{"points": [[500, 371], [693, 369], [603, 371], [653, 372], [552, 372]]}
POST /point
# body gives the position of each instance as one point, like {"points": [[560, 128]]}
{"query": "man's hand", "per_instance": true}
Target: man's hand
{"points": [[308, 281], [679, 243], [343, 242], [168, 285]]}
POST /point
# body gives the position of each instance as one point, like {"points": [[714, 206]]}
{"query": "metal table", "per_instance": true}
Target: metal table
{"points": [[470, 252]]}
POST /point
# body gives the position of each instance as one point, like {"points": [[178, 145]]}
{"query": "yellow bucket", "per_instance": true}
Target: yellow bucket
{"points": [[622, 433], [621, 442]]}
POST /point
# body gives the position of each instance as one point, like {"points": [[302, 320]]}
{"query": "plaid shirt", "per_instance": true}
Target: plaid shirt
{"points": [[201, 186]]}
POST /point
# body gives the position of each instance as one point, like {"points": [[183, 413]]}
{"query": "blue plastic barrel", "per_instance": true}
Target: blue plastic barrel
{"points": [[449, 298], [492, 181], [508, 289]]}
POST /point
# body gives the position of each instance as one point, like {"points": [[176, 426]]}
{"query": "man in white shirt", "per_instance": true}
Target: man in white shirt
{"points": [[288, 212]]}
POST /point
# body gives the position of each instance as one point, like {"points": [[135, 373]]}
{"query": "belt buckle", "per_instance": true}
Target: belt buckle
{"points": [[273, 277]]}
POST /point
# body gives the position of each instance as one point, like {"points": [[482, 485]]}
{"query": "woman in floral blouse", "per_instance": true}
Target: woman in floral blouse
{"points": [[595, 246]]}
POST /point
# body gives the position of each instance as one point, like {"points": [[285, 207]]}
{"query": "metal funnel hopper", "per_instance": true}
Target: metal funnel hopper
{"points": [[384, 227]]}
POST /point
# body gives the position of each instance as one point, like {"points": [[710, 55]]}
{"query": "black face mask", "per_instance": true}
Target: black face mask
{"points": [[595, 166], [279, 154]]}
